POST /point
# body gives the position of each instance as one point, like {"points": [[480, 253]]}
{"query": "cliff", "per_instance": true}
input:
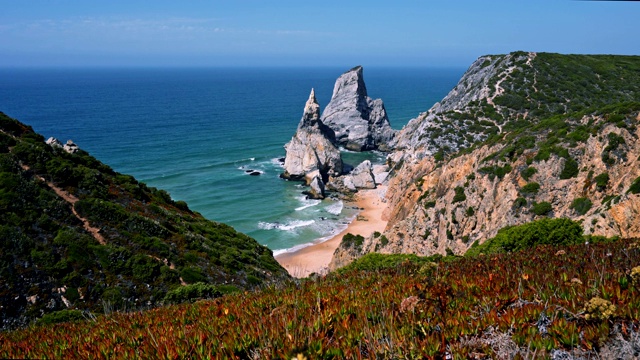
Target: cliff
{"points": [[359, 122], [76, 235], [522, 136]]}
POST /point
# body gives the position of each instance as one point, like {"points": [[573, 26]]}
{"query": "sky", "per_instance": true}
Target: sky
{"points": [[214, 33]]}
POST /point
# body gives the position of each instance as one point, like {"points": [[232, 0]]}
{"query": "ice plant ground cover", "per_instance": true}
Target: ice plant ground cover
{"points": [[530, 303]]}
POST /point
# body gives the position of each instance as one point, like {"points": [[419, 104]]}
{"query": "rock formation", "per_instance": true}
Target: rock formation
{"points": [[69, 147], [312, 150], [359, 122]]}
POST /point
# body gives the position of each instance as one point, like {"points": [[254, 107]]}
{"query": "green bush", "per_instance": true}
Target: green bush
{"points": [[352, 241], [495, 171], [635, 186], [581, 205], [460, 195], [540, 232], [377, 262], [144, 268], [430, 204], [198, 291], [192, 275], [528, 172], [60, 317], [570, 169], [542, 208], [530, 188], [602, 181], [520, 202]]}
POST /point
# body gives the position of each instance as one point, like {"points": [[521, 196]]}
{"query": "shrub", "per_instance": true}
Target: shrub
{"points": [[570, 169], [61, 316], [528, 172], [495, 170], [377, 262], [192, 275], [530, 188], [602, 181], [459, 196], [198, 291], [581, 205], [430, 204], [470, 211], [542, 208], [520, 202], [540, 232], [352, 241], [635, 186], [144, 268]]}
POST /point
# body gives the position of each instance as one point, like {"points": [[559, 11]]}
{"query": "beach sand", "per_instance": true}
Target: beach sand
{"points": [[316, 258]]}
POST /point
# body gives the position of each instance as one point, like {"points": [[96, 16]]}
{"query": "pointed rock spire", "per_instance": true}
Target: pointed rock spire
{"points": [[311, 113], [312, 150]]}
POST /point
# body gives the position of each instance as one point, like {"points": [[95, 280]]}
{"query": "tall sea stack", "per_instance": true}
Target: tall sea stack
{"points": [[359, 122]]}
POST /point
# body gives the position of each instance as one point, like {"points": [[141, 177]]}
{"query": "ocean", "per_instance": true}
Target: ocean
{"points": [[196, 133]]}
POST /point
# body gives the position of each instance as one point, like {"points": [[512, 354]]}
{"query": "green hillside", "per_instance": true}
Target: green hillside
{"points": [[74, 234]]}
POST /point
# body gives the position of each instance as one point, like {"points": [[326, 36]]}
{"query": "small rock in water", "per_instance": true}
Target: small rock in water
{"points": [[253, 172]]}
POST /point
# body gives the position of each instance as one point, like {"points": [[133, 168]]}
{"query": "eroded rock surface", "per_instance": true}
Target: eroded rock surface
{"points": [[359, 122]]}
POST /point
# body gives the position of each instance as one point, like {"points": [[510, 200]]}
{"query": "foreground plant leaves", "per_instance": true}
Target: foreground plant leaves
{"points": [[531, 302]]}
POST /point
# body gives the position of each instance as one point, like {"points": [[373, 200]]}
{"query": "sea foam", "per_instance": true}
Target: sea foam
{"points": [[292, 225], [335, 208]]}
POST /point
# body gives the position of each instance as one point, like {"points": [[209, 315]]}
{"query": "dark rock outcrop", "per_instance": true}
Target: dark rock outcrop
{"points": [[359, 122]]}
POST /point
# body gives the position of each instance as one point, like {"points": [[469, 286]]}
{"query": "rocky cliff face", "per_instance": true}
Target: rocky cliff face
{"points": [[518, 139], [359, 122], [312, 155]]}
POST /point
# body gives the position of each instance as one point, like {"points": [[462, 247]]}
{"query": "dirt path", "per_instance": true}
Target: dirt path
{"points": [[95, 232]]}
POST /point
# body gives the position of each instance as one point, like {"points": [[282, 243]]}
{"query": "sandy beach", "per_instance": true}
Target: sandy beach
{"points": [[316, 258]]}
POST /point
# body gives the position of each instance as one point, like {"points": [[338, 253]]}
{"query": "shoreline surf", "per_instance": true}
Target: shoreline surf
{"points": [[301, 261]]}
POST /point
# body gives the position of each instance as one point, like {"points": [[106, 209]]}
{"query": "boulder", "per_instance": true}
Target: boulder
{"points": [[362, 176], [359, 122], [312, 148], [316, 190], [53, 142], [71, 147], [380, 173]]}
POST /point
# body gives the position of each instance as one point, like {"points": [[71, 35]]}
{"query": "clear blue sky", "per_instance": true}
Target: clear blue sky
{"points": [[305, 33]]}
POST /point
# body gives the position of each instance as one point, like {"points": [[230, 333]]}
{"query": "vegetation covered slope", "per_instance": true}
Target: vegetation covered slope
{"points": [[502, 93], [585, 303], [74, 234], [521, 137]]}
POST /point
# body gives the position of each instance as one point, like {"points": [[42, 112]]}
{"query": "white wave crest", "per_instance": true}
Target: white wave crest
{"points": [[292, 225], [335, 208], [308, 204]]}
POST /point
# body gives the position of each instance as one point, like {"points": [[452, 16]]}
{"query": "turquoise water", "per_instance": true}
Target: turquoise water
{"points": [[195, 132]]}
